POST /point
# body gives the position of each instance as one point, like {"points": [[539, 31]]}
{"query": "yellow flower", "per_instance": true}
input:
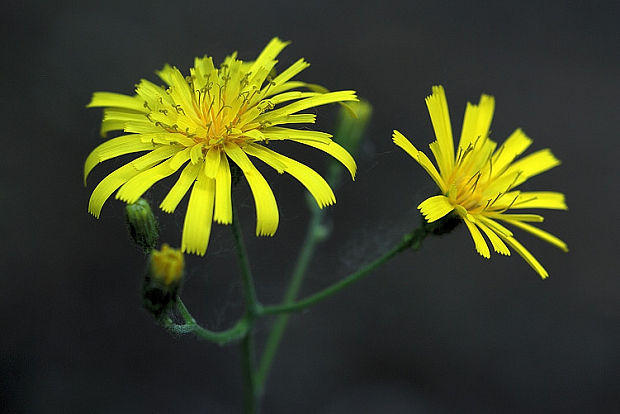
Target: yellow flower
{"points": [[478, 182], [167, 265], [204, 121]]}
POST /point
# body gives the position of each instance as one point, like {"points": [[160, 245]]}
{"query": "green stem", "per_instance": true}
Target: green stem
{"points": [[253, 308], [238, 331], [410, 240], [250, 397], [314, 234]]}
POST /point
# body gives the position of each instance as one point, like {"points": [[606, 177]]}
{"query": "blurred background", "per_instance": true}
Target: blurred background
{"points": [[434, 331]]}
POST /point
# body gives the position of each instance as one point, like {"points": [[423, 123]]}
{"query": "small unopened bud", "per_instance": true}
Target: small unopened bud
{"points": [[352, 122], [163, 279], [142, 225]]}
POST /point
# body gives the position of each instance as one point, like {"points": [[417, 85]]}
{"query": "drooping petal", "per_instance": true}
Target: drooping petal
{"points": [[481, 245], [526, 255], [548, 237], [436, 207], [180, 188], [336, 151], [199, 216], [400, 140], [212, 162], [223, 198], [131, 191], [440, 117], [125, 144], [495, 226], [267, 215], [120, 176], [498, 244], [316, 185]]}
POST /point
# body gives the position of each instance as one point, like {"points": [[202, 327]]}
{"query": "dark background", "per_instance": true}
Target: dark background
{"points": [[440, 330]]}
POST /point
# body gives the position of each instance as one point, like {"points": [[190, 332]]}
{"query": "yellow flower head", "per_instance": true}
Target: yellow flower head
{"points": [[167, 265], [200, 123], [478, 181]]}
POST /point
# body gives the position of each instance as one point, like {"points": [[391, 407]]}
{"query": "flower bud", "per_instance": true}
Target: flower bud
{"points": [[163, 279], [142, 225], [352, 122]]}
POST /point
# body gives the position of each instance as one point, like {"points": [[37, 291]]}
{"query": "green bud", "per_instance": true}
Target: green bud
{"points": [[163, 280], [352, 122], [142, 225]]}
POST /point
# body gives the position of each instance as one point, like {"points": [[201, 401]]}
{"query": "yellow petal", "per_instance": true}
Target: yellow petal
{"points": [[223, 199], [178, 190], [198, 219], [533, 164], [281, 133], [116, 114], [287, 86], [540, 199], [498, 244], [181, 93], [336, 151], [212, 162], [269, 53], [116, 100], [326, 98], [294, 119], [526, 255], [316, 185], [400, 140], [115, 147], [514, 146], [290, 72], [440, 117], [131, 191], [481, 246], [436, 207], [110, 125], [267, 215], [477, 121], [548, 237], [534, 218], [120, 176]]}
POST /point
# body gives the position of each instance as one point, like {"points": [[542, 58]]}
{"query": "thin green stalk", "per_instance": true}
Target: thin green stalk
{"points": [[253, 307], [250, 400], [238, 331], [248, 283], [314, 235], [412, 239]]}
